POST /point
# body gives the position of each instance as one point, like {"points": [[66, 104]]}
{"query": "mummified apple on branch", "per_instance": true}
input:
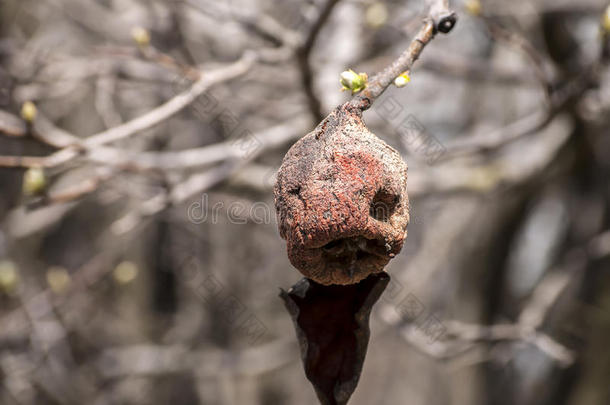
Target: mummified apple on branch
{"points": [[341, 199]]}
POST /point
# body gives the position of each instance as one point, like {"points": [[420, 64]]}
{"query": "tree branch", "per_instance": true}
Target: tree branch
{"points": [[141, 123]]}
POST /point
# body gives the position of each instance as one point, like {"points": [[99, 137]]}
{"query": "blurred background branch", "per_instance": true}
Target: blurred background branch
{"points": [[139, 256]]}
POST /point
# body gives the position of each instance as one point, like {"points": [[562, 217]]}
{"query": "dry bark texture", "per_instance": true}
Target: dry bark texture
{"points": [[341, 199]]}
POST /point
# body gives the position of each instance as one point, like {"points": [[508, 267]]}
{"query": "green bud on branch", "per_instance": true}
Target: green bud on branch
{"points": [[402, 80], [353, 81]]}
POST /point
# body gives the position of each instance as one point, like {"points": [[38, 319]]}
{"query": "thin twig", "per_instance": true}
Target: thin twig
{"points": [[440, 19], [303, 55]]}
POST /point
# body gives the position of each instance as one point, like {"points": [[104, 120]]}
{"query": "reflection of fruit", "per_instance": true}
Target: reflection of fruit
{"points": [[341, 199]]}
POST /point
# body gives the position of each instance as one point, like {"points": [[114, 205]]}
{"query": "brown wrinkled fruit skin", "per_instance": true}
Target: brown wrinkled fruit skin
{"points": [[341, 200]]}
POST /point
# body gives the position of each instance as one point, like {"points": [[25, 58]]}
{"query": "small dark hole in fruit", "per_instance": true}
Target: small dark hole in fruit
{"points": [[333, 244], [383, 205], [361, 255]]}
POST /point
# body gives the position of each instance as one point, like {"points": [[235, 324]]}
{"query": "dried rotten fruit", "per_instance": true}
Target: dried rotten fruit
{"points": [[341, 199]]}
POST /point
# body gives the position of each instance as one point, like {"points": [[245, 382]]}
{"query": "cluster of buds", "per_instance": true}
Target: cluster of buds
{"points": [[356, 82], [353, 81]]}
